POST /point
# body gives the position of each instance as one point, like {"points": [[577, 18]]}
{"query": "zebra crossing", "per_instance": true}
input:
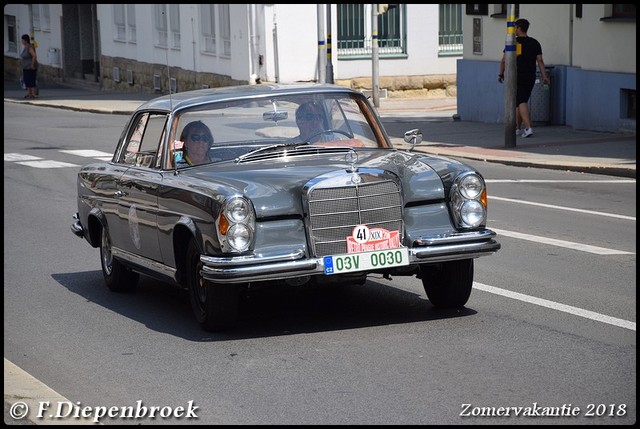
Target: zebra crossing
{"points": [[38, 162]]}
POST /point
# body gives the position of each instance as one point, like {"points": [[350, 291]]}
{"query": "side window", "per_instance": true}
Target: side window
{"points": [[141, 148]]}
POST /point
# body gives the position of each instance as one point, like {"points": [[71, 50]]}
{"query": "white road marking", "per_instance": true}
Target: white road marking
{"points": [[626, 324], [47, 164], [27, 393], [511, 200], [561, 243], [558, 181], [88, 153], [37, 162], [19, 157]]}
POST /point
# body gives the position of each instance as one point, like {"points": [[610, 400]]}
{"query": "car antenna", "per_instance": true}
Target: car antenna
{"points": [[171, 155], [168, 73]]}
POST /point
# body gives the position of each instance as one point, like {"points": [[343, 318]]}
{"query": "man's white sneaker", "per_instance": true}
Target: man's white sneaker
{"points": [[527, 132], [518, 132]]}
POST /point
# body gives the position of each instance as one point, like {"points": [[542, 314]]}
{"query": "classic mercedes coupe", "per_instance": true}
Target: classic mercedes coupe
{"points": [[218, 190]]}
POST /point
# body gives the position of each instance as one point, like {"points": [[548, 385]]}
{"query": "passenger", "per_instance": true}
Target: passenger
{"points": [[197, 140]]}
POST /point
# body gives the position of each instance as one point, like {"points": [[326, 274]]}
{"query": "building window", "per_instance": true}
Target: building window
{"points": [[12, 34], [623, 11], [131, 22], [351, 33], [124, 22], [578, 10], [477, 9], [450, 29], [119, 22], [208, 24], [174, 20], [629, 104], [41, 17], [354, 31], [619, 12], [160, 21], [501, 11], [390, 30], [225, 29]]}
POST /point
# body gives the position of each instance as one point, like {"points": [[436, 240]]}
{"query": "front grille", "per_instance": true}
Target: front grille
{"points": [[335, 211]]}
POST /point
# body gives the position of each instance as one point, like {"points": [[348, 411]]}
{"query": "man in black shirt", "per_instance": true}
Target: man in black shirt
{"points": [[528, 54]]}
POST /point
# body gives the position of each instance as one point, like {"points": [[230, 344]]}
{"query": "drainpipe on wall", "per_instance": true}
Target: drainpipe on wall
{"points": [[253, 77], [321, 48], [96, 54], [570, 35], [275, 47], [32, 34]]}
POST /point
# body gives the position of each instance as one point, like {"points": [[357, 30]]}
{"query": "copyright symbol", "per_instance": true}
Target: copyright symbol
{"points": [[19, 410]]}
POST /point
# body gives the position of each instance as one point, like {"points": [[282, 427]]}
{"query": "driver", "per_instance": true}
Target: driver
{"points": [[310, 121]]}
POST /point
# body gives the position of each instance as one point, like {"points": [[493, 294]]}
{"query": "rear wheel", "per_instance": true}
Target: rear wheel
{"points": [[448, 285], [117, 277], [214, 305]]}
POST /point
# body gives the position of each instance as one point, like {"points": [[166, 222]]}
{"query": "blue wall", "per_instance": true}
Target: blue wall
{"points": [[595, 100], [588, 100]]}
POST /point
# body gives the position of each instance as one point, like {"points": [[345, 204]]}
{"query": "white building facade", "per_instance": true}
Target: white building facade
{"points": [[589, 49], [151, 47]]}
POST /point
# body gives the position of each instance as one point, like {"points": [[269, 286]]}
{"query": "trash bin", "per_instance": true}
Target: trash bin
{"points": [[540, 100]]}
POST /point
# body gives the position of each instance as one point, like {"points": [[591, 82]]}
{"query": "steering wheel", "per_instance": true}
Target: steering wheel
{"points": [[344, 133]]}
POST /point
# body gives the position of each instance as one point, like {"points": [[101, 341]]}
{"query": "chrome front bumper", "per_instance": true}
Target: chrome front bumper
{"points": [[440, 248]]}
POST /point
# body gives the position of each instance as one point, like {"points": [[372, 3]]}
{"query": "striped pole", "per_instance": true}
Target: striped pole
{"points": [[322, 59], [510, 80], [329, 74], [375, 72]]}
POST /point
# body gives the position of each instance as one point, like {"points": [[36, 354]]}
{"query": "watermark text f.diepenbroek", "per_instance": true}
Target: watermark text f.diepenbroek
{"points": [[62, 410]]}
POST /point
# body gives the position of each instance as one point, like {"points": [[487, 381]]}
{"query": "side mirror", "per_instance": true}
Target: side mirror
{"points": [[413, 137]]}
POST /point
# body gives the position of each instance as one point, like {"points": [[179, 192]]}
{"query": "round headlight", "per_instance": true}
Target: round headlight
{"points": [[238, 210], [471, 186], [472, 213], [239, 237]]}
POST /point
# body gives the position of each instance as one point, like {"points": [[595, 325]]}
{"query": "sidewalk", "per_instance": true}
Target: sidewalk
{"points": [[551, 146]]}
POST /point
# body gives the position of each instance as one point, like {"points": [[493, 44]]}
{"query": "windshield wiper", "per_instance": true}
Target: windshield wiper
{"points": [[269, 148]]}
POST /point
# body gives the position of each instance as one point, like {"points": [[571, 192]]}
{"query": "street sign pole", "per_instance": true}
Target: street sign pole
{"points": [[375, 80], [510, 79]]}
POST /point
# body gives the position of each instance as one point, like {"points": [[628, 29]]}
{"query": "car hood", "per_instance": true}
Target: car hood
{"points": [[275, 186]]}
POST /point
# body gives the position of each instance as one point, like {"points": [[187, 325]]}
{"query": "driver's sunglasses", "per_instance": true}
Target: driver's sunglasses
{"points": [[200, 138]]}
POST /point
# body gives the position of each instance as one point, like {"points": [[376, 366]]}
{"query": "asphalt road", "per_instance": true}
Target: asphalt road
{"points": [[550, 324]]}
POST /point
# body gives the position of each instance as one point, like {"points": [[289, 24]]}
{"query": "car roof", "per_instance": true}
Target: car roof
{"points": [[187, 99]]}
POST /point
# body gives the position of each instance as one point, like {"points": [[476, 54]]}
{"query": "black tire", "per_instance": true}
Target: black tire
{"points": [[117, 277], [448, 285], [215, 305]]}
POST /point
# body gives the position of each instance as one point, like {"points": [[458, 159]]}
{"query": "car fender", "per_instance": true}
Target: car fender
{"points": [[96, 220]]}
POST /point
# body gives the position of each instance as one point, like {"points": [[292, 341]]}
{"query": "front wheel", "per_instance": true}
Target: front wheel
{"points": [[117, 277], [448, 284], [214, 305]]}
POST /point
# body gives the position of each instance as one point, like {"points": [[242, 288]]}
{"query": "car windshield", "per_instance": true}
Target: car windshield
{"points": [[245, 130]]}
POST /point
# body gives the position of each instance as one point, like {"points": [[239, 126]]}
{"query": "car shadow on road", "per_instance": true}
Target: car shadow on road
{"points": [[269, 311]]}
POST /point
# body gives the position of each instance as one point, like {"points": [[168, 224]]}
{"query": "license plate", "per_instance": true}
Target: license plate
{"points": [[350, 262]]}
